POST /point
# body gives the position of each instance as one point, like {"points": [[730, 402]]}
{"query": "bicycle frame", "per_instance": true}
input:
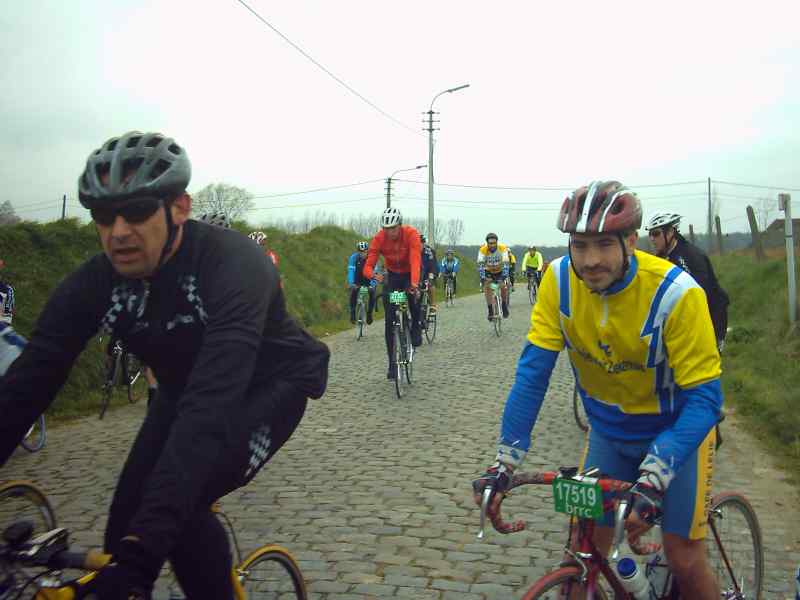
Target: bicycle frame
{"points": [[582, 551]]}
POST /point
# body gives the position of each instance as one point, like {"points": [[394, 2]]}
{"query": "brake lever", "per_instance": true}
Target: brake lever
{"points": [[619, 528], [485, 499]]}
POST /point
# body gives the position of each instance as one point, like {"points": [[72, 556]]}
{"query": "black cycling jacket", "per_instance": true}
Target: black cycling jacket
{"points": [[212, 324], [695, 262]]}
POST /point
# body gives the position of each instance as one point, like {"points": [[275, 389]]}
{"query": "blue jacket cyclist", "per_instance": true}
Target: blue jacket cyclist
{"points": [[449, 266], [356, 279]]}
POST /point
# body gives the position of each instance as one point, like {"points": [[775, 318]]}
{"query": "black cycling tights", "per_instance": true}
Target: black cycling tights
{"points": [[201, 558], [398, 282]]}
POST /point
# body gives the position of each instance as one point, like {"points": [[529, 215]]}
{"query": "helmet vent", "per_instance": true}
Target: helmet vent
{"points": [[159, 168]]}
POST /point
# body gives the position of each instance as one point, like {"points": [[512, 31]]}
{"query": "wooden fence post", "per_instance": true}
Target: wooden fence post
{"points": [[691, 234], [719, 234], [758, 245]]}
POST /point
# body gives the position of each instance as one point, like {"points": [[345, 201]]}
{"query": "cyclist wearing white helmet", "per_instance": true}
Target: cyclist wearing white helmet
{"points": [[235, 370], [641, 344], [356, 278], [401, 249], [667, 242]]}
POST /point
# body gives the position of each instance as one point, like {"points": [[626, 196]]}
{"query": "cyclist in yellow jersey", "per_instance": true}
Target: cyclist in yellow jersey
{"points": [[533, 263], [640, 340], [493, 266]]}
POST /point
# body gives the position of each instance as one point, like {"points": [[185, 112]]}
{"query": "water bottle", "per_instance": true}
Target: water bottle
{"points": [[658, 573], [634, 580]]}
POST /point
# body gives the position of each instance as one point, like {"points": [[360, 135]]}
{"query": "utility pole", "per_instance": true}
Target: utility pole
{"points": [[388, 192], [430, 174], [431, 121], [64, 208], [785, 204]]}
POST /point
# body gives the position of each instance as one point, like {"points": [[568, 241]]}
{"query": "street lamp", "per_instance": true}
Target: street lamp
{"points": [[389, 183], [431, 241]]}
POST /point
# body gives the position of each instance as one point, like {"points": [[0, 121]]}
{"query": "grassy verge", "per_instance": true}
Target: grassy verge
{"points": [[760, 362], [313, 267]]}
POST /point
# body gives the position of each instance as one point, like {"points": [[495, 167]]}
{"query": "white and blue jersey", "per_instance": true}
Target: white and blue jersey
{"points": [[355, 271], [7, 302], [449, 266]]}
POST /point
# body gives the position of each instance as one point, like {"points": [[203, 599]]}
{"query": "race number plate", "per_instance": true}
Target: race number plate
{"points": [[398, 298], [580, 498]]}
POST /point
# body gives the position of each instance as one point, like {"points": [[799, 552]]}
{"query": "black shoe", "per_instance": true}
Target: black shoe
{"points": [[491, 314], [391, 373], [416, 340], [369, 318], [505, 311]]}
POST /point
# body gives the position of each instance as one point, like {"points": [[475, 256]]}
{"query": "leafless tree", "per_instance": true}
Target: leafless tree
{"points": [[222, 197], [764, 209], [8, 216], [455, 229]]}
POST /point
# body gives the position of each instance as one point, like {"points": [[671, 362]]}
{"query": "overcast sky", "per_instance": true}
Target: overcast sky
{"points": [[560, 94]]}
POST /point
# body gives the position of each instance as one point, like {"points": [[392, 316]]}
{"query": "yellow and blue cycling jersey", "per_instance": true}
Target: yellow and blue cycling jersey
{"points": [[493, 262], [644, 357]]}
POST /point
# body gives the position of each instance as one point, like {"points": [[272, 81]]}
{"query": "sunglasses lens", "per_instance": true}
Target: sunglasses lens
{"points": [[139, 212], [133, 212], [103, 216]]}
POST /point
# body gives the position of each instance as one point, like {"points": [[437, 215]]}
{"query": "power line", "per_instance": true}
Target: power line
{"points": [[332, 203], [334, 77], [492, 187], [325, 189], [547, 189], [763, 187]]}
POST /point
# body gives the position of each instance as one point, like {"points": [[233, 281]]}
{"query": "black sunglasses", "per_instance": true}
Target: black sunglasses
{"points": [[137, 210]]}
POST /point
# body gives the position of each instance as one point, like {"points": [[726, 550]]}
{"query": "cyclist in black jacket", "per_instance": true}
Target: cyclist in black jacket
{"points": [[203, 307], [670, 244]]}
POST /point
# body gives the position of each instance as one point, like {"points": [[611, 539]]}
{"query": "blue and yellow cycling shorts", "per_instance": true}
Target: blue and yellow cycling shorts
{"points": [[688, 497]]}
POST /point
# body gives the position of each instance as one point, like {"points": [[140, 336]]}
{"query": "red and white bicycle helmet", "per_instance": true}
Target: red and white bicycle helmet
{"points": [[600, 207]]}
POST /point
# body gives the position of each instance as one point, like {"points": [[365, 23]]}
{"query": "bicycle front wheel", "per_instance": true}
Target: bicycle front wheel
{"points": [[399, 358], [532, 292], [735, 550], [498, 316], [271, 573], [36, 437], [408, 363], [562, 583], [360, 320]]}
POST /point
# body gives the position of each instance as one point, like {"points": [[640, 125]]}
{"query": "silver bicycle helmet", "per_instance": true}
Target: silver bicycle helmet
{"points": [[135, 164], [362, 246], [220, 219], [391, 217], [659, 220]]}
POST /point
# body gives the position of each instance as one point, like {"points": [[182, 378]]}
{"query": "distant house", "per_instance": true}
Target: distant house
{"points": [[772, 237]]}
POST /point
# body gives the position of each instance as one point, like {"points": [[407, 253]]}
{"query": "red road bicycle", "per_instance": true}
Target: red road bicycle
{"points": [[734, 543]]}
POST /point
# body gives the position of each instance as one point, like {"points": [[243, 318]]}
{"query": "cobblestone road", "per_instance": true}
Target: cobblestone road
{"points": [[372, 493]]}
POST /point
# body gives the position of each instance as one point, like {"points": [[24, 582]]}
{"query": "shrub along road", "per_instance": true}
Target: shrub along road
{"points": [[372, 493]]}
